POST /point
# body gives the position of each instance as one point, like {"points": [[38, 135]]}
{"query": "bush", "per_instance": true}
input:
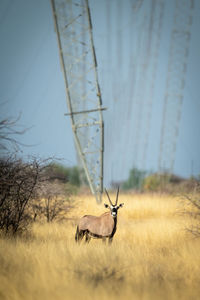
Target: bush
{"points": [[156, 182], [151, 183], [135, 180], [52, 202], [74, 176], [192, 209], [18, 184], [64, 174], [23, 184]]}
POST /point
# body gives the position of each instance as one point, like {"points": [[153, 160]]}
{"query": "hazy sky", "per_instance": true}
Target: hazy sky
{"points": [[31, 83], [31, 78]]}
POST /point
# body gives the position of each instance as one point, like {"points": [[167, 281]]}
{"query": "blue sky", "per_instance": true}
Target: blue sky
{"points": [[31, 83], [31, 78]]}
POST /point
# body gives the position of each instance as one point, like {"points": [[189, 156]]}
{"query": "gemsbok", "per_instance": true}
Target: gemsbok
{"points": [[101, 227]]}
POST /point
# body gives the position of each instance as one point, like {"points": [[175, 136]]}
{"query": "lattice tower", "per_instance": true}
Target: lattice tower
{"points": [[177, 67], [77, 54]]}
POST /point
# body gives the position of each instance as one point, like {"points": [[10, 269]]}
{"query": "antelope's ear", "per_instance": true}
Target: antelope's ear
{"points": [[121, 205], [106, 205]]}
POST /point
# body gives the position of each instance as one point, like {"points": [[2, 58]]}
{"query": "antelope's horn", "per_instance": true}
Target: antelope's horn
{"points": [[117, 196], [108, 197]]}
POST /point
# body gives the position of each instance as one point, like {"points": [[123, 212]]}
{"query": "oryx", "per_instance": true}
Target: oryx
{"points": [[103, 226]]}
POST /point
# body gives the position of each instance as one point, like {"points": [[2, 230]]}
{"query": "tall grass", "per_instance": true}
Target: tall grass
{"points": [[152, 256]]}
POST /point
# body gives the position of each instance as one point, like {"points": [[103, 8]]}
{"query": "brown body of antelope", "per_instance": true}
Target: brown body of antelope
{"points": [[102, 227]]}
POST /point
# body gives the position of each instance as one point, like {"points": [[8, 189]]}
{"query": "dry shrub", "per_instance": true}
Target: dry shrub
{"points": [[18, 185], [52, 203], [190, 206], [22, 185]]}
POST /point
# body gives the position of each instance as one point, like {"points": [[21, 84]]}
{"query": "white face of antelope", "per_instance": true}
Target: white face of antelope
{"points": [[113, 207]]}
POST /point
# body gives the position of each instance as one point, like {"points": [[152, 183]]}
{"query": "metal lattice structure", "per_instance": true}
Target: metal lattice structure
{"points": [[142, 94], [177, 66], [138, 27], [77, 54], [139, 97], [158, 6]]}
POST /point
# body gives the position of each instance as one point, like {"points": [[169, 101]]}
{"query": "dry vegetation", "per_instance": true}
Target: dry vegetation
{"points": [[152, 256]]}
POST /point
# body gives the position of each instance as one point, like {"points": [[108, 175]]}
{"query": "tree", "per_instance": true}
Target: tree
{"points": [[135, 179], [8, 131], [23, 184], [53, 201], [18, 185], [64, 174]]}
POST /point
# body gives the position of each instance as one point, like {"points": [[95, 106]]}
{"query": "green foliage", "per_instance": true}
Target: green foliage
{"points": [[165, 182], [151, 183], [155, 182], [74, 176], [135, 179], [64, 174]]}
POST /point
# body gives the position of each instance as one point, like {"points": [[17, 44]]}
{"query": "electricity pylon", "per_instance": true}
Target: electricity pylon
{"points": [[78, 60], [177, 67]]}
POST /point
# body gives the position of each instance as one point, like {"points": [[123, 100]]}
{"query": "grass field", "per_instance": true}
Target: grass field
{"points": [[152, 256]]}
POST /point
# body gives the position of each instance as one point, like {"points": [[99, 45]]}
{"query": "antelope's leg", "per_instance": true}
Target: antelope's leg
{"points": [[87, 237], [81, 234], [110, 240], [103, 240], [77, 235]]}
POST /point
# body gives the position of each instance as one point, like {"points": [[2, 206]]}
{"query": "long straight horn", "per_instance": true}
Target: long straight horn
{"points": [[117, 196], [108, 197]]}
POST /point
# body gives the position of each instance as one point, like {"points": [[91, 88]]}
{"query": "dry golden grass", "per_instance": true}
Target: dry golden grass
{"points": [[152, 256]]}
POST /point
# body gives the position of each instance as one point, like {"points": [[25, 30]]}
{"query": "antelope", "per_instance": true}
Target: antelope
{"points": [[101, 227]]}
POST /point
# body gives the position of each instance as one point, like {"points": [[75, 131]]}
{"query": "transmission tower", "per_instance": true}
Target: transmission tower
{"points": [[141, 96], [156, 27], [78, 60], [141, 82], [177, 66]]}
